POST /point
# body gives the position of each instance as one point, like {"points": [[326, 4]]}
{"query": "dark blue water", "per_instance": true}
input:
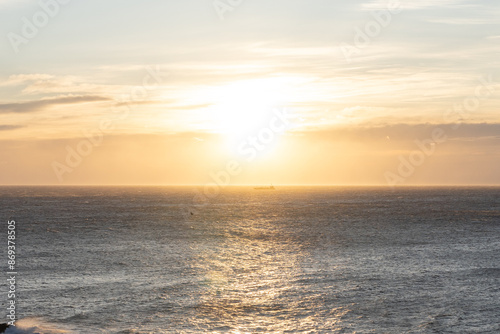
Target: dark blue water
{"points": [[293, 260]]}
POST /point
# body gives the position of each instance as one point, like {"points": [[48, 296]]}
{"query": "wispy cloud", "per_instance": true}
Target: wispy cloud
{"points": [[33, 106], [382, 4], [408, 133], [48, 84], [10, 127], [295, 51], [20, 79], [464, 21]]}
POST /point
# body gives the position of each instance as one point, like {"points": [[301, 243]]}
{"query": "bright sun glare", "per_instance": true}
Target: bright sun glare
{"points": [[247, 109], [244, 107]]}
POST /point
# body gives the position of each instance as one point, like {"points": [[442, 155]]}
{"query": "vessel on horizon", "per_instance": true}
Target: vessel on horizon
{"points": [[271, 187]]}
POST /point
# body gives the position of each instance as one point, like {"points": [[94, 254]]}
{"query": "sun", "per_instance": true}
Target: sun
{"points": [[248, 115], [244, 107]]}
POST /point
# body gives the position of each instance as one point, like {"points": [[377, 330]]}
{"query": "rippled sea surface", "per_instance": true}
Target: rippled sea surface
{"points": [[293, 260]]}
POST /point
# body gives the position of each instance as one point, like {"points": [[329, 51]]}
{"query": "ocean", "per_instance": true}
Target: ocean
{"points": [[291, 260]]}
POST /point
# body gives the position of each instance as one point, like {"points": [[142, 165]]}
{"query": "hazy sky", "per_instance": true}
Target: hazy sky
{"points": [[293, 92]]}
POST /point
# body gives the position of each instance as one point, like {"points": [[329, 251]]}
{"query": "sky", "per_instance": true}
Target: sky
{"points": [[317, 92]]}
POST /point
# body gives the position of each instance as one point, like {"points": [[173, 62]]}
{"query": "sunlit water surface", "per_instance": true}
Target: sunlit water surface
{"points": [[293, 260]]}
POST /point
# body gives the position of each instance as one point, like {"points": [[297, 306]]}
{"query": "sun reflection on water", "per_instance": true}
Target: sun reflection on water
{"points": [[254, 282]]}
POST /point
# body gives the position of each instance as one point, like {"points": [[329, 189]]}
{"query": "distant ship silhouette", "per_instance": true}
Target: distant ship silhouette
{"points": [[271, 187]]}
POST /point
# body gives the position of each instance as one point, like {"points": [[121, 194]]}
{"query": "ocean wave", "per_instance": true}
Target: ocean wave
{"points": [[36, 326]]}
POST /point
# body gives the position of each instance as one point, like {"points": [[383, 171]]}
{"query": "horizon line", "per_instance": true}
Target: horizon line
{"points": [[252, 185]]}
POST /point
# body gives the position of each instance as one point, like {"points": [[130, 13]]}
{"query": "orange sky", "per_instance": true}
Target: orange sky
{"points": [[290, 92]]}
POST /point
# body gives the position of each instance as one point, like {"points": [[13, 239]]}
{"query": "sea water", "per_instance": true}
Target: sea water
{"points": [[290, 260]]}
